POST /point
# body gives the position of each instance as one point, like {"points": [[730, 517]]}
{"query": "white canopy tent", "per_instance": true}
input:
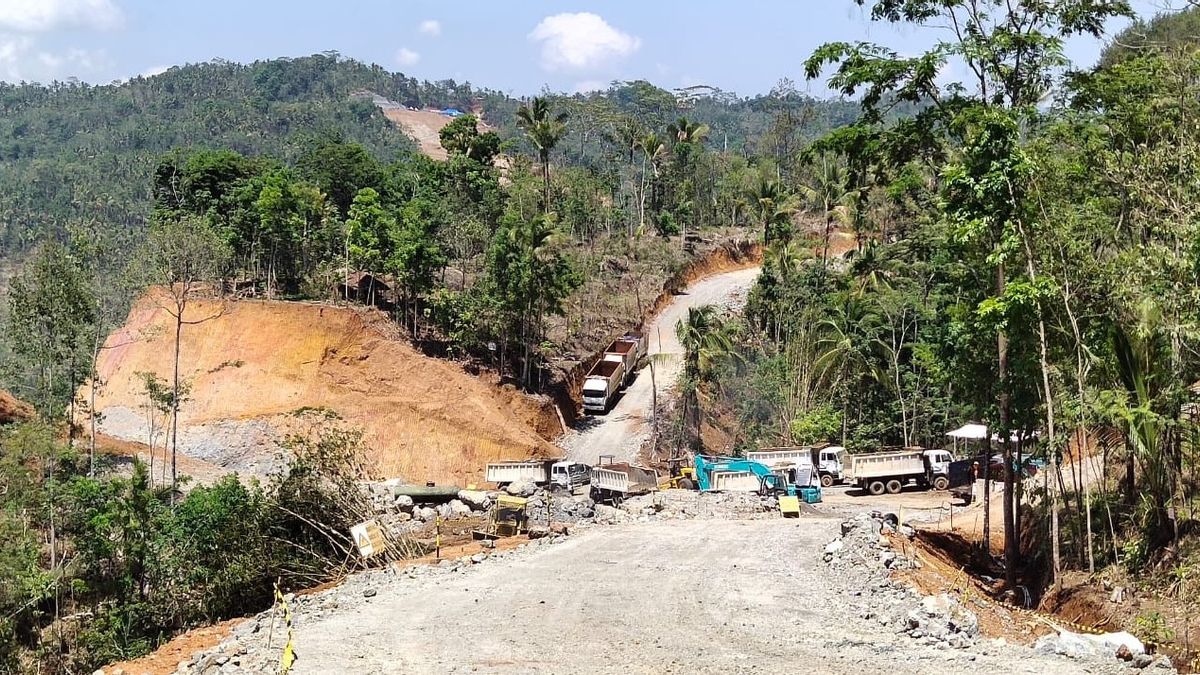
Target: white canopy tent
{"points": [[972, 432], [979, 432]]}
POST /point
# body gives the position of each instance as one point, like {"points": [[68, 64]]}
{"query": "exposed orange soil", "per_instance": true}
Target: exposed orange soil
{"points": [[13, 409], [423, 126], [166, 658], [423, 418]]}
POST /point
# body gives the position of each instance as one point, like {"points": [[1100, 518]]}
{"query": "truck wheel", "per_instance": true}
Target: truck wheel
{"points": [[686, 484], [894, 486], [826, 481], [876, 487], [941, 483]]}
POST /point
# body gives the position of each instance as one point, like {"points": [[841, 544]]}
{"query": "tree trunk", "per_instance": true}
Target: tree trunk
{"points": [[175, 405], [1051, 440], [1011, 543], [92, 403]]}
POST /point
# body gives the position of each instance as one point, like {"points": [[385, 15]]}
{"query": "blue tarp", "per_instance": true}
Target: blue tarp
{"points": [[452, 112]]}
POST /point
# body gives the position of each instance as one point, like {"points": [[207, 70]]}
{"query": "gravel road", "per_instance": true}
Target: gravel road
{"points": [[624, 429], [678, 596]]}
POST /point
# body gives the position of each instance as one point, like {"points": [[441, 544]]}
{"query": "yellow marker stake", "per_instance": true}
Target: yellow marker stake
{"points": [[437, 536]]}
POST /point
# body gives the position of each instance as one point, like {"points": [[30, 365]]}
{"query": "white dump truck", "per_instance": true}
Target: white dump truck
{"points": [[625, 352], [560, 474], [614, 481], [602, 384], [827, 459], [880, 472]]}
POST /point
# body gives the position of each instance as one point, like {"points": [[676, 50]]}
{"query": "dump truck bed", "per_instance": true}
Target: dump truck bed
{"points": [[885, 464], [536, 470], [624, 478], [735, 481], [801, 456]]}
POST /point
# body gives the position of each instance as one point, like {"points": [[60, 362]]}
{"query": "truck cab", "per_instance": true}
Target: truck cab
{"points": [[937, 468], [829, 464], [569, 475]]}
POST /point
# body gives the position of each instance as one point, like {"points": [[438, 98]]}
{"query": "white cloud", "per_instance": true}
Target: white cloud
{"points": [[407, 57], [12, 52], [22, 60], [154, 70], [33, 16], [581, 41], [431, 27]]}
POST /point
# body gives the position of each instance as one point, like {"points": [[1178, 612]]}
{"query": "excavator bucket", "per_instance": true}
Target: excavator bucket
{"points": [[789, 507]]}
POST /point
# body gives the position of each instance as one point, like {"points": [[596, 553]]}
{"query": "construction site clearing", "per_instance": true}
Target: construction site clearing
{"points": [[871, 577]]}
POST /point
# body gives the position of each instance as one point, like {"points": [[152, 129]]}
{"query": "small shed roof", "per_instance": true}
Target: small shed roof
{"points": [[979, 432], [974, 432]]}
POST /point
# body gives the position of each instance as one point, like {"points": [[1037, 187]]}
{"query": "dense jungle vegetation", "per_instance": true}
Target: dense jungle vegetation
{"points": [[1027, 256]]}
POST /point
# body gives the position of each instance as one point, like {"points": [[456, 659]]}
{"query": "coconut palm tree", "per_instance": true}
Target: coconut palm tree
{"points": [[772, 207], [827, 192], [653, 150], [686, 138], [683, 130], [544, 129], [705, 342]]}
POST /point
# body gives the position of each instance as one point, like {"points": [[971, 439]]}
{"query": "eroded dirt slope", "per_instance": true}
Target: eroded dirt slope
{"points": [[252, 365]]}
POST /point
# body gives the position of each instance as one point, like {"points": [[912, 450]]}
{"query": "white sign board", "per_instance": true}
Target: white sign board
{"points": [[368, 538]]}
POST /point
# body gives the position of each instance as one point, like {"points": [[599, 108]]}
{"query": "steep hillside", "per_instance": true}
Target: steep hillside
{"points": [[254, 364]]}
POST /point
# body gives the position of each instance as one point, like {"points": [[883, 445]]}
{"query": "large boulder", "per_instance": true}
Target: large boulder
{"points": [[525, 488], [476, 499], [458, 509], [1081, 646]]}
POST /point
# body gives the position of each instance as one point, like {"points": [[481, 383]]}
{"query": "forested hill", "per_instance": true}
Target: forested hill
{"points": [[72, 152]]}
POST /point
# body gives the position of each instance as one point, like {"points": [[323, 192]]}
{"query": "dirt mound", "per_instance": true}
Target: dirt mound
{"points": [[252, 365], [13, 409]]}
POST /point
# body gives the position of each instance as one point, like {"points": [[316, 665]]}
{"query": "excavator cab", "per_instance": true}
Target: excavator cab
{"points": [[775, 485]]}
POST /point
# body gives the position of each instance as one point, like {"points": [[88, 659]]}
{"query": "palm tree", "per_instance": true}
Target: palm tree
{"points": [[684, 136], [705, 341], [544, 129], [653, 150], [771, 206], [683, 130], [827, 191]]}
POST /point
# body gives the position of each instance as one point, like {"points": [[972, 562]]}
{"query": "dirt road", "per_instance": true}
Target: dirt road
{"points": [[623, 430], [682, 596]]}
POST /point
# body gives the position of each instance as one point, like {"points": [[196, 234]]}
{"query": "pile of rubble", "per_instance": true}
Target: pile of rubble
{"points": [[865, 558], [403, 514], [1122, 646], [688, 505]]}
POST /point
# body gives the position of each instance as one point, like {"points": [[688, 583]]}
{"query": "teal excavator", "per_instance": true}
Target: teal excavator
{"points": [[770, 483]]}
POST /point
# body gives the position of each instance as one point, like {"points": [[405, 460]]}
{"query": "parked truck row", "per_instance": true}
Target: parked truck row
{"points": [[617, 367], [791, 471]]}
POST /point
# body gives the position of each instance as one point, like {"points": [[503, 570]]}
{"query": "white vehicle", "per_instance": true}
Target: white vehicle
{"points": [[569, 475], [603, 382], [558, 474], [880, 472], [831, 464], [614, 481], [828, 459]]}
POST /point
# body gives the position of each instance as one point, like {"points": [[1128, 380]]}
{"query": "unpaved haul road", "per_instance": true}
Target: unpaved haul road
{"points": [[623, 430], [676, 596]]}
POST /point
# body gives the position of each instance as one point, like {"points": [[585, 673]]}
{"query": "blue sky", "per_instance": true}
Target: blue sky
{"points": [[519, 46]]}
